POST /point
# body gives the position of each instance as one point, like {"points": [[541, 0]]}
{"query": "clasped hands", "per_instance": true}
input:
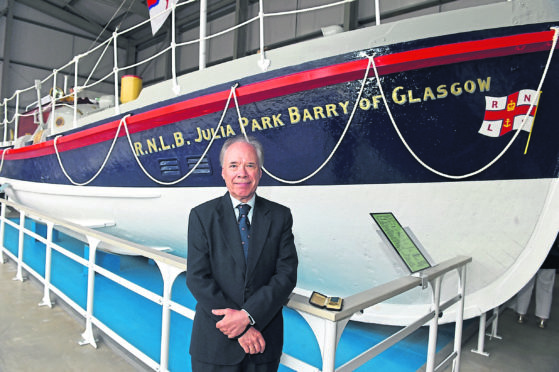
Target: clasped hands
{"points": [[233, 323]]}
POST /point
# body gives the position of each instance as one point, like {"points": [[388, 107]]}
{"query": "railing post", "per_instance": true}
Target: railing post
{"points": [[21, 237], [176, 87], [16, 118], [481, 336], [115, 70], [377, 12], [202, 43], [169, 274], [53, 101], [5, 139], [46, 301], [459, 319], [2, 231], [76, 63], [263, 62], [5, 120], [495, 324], [87, 336], [330, 343], [434, 326], [327, 334]]}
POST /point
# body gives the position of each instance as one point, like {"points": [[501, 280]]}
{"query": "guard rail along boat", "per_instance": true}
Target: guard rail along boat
{"points": [[447, 120]]}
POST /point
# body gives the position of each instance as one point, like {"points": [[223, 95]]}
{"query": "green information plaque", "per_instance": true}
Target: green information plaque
{"points": [[400, 240]]}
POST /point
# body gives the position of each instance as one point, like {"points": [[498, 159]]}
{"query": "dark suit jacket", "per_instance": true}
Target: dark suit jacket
{"points": [[219, 278]]}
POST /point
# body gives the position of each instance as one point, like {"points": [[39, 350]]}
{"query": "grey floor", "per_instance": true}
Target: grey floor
{"points": [[34, 338], [44, 339]]}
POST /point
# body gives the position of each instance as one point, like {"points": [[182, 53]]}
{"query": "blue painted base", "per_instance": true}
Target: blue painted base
{"points": [[138, 320]]}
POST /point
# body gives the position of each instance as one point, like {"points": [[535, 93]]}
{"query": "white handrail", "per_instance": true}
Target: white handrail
{"points": [[327, 325], [201, 40], [335, 321]]}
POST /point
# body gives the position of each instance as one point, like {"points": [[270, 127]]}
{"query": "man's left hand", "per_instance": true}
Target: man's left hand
{"points": [[252, 341], [233, 323]]}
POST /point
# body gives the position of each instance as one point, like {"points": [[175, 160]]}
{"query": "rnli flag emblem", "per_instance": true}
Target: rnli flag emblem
{"points": [[157, 12], [505, 114]]}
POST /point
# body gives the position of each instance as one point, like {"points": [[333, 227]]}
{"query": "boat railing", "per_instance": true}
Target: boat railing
{"points": [[329, 325], [112, 67], [326, 325], [72, 69]]}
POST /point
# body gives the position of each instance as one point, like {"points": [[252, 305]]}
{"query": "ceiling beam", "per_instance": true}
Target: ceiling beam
{"points": [[137, 7], [188, 17], [67, 17], [7, 52]]}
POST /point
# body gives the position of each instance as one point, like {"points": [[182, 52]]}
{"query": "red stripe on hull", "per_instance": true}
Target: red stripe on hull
{"points": [[297, 82]]}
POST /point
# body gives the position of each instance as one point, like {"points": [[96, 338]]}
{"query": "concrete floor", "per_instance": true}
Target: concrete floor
{"points": [[522, 348], [34, 338]]}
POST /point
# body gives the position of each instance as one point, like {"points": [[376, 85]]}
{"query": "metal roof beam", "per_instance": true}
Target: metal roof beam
{"points": [[7, 53], [67, 17], [137, 7]]}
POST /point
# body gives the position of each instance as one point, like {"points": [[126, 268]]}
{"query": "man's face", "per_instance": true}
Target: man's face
{"points": [[241, 171]]}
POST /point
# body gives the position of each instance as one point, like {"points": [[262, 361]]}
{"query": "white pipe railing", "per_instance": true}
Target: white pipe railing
{"points": [[326, 325], [116, 69], [203, 32], [329, 325], [170, 267]]}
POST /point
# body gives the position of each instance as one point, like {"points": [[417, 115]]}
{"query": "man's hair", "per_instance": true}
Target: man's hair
{"points": [[240, 138]]}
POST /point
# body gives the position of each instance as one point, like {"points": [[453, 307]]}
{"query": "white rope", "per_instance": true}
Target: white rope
{"points": [[2, 163], [555, 36], [98, 61], [102, 165], [123, 123], [335, 147], [199, 160]]}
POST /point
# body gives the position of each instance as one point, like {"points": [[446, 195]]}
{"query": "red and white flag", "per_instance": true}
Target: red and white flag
{"points": [[157, 12], [504, 114]]}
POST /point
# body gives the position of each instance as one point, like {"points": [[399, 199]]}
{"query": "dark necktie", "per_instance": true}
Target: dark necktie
{"points": [[244, 226]]}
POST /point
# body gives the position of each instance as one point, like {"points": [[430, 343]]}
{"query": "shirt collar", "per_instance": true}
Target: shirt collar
{"points": [[237, 202]]}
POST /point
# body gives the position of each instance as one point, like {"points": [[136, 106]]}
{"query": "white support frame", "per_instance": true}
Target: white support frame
{"points": [[493, 321], [170, 267], [327, 326]]}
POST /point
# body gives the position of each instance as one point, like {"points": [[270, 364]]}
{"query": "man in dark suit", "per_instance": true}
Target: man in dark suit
{"points": [[240, 293]]}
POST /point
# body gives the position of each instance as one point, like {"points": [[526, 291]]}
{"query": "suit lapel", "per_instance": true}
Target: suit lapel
{"points": [[230, 230], [261, 221]]}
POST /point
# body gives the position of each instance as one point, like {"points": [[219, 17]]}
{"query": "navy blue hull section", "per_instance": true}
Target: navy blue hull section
{"points": [[439, 111]]}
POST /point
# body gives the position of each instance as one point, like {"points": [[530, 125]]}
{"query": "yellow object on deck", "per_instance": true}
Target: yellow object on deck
{"points": [[130, 88]]}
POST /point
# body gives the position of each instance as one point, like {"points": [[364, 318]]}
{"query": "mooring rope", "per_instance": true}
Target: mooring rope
{"points": [[232, 93], [100, 168], [2, 162], [442, 174], [199, 160], [292, 182], [125, 125]]}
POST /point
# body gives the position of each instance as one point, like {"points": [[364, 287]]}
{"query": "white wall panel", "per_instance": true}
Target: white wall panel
{"points": [[40, 46], [2, 33], [156, 67], [25, 12], [313, 21], [221, 46], [188, 55]]}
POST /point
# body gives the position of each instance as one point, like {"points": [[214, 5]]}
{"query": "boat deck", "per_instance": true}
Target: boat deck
{"points": [[39, 338]]}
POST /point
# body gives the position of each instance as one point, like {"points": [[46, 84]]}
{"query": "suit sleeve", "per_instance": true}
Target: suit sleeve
{"points": [[199, 278], [264, 304]]}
